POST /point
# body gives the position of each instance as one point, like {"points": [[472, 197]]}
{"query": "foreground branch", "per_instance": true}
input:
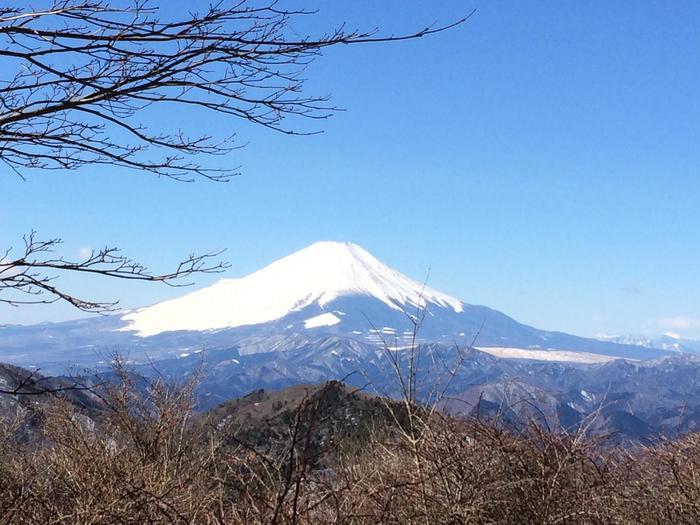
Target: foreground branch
{"points": [[85, 69], [29, 279]]}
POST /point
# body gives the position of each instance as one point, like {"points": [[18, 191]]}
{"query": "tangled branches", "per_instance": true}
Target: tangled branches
{"points": [[85, 69]]}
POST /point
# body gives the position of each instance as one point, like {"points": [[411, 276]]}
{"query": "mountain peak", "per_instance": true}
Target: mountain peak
{"points": [[330, 253], [316, 274]]}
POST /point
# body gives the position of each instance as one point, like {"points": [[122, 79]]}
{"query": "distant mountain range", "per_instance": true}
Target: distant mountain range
{"points": [[634, 400], [669, 342], [332, 311], [328, 289]]}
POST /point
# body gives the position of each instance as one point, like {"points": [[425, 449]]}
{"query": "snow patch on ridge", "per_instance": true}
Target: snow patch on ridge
{"points": [[327, 319], [547, 355], [317, 274]]}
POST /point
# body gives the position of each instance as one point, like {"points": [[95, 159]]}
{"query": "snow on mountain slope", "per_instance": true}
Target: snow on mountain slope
{"points": [[317, 274], [546, 355], [327, 319]]}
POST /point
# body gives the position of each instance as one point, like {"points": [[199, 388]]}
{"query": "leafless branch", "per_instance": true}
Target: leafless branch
{"points": [[84, 71], [29, 278]]}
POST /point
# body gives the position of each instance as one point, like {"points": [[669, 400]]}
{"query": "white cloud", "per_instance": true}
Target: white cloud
{"points": [[85, 252]]}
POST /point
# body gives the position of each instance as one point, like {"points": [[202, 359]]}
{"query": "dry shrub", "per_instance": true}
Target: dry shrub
{"points": [[142, 461], [474, 473], [661, 484], [149, 459]]}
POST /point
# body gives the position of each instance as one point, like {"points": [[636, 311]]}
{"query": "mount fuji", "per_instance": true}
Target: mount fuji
{"points": [[310, 286], [327, 290], [334, 311]]}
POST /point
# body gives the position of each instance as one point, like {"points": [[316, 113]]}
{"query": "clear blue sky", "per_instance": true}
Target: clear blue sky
{"points": [[542, 159]]}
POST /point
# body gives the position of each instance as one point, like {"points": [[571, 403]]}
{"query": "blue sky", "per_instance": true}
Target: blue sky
{"points": [[541, 159]]}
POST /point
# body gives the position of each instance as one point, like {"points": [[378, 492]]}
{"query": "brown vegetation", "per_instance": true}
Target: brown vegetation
{"points": [[149, 459]]}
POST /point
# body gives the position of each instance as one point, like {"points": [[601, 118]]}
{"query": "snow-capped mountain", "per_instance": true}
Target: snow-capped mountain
{"points": [[328, 289], [669, 341], [315, 276], [334, 311]]}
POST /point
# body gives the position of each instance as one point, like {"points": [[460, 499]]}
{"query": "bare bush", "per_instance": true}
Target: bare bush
{"points": [[148, 458]]}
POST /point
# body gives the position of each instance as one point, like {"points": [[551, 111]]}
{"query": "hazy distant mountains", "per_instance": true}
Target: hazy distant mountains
{"points": [[328, 289], [333, 311], [669, 342], [636, 398]]}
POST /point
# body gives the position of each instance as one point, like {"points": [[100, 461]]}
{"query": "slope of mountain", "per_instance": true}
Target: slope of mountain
{"points": [[638, 400], [328, 289], [25, 394], [331, 414]]}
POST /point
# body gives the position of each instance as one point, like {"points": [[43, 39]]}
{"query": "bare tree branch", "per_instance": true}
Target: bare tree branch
{"points": [[85, 69], [28, 279], [34, 384]]}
